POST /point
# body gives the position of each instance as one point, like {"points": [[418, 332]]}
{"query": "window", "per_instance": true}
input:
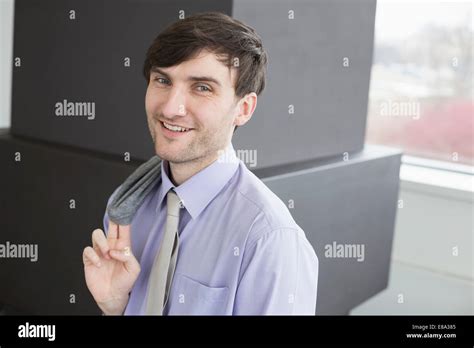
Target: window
{"points": [[421, 89]]}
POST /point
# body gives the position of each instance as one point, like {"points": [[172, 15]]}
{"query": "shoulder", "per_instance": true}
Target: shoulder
{"points": [[270, 213]]}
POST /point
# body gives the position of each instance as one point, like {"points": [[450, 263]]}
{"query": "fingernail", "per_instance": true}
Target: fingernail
{"points": [[99, 264]]}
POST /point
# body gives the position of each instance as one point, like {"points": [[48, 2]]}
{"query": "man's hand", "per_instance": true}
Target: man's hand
{"points": [[110, 268]]}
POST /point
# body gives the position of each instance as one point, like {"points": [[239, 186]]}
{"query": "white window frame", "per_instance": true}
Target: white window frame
{"points": [[437, 177]]}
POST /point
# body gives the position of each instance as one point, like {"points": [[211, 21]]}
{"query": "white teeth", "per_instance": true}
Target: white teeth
{"points": [[175, 128]]}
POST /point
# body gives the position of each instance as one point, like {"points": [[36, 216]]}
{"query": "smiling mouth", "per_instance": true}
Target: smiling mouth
{"points": [[174, 129]]}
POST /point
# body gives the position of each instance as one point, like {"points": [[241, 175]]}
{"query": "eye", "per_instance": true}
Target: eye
{"points": [[205, 88], [161, 80]]}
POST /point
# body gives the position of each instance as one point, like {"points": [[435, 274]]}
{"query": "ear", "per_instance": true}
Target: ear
{"points": [[246, 107]]}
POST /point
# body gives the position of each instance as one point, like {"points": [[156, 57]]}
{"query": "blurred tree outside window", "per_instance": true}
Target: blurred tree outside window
{"points": [[421, 90]]}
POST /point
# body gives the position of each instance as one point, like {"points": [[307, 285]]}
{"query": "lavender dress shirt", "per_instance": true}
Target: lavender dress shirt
{"points": [[240, 252]]}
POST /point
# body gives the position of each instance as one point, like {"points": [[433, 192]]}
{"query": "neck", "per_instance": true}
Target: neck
{"points": [[180, 172]]}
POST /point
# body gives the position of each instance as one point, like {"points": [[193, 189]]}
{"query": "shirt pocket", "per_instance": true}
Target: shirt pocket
{"points": [[196, 298]]}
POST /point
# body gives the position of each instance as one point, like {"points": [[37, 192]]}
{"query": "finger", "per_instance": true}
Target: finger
{"points": [[112, 233], [100, 241], [123, 237], [125, 255], [89, 256]]}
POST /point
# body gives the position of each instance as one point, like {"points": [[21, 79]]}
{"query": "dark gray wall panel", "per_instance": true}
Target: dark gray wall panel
{"points": [[34, 209], [81, 60], [351, 202], [306, 70], [346, 202]]}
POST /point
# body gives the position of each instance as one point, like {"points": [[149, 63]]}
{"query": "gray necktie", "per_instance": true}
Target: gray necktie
{"points": [[164, 265]]}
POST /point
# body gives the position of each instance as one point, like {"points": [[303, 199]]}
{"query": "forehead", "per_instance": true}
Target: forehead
{"points": [[203, 64]]}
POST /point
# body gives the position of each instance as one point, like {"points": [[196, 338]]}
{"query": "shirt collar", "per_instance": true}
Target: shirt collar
{"points": [[199, 190]]}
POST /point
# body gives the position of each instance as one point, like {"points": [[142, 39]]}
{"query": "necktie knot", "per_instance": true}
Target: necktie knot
{"points": [[173, 203]]}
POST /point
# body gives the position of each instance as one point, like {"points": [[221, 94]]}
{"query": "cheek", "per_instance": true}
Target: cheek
{"points": [[210, 114], [151, 102], [147, 101]]}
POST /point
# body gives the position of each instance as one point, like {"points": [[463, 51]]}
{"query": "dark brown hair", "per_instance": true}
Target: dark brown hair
{"points": [[220, 34]]}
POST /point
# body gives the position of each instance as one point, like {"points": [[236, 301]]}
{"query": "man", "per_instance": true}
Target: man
{"points": [[240, 251]]}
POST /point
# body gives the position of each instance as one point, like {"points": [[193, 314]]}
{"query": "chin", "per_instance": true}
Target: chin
{"points": [[167, 156]]}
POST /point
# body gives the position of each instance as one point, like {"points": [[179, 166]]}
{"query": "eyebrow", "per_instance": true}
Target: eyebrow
{"points": [[190, 78]]}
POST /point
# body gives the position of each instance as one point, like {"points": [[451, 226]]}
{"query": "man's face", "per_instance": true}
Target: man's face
{"points": [[183, 95]]}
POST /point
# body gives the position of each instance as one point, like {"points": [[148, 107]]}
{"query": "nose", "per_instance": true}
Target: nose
{"points": [[175, 105]]}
